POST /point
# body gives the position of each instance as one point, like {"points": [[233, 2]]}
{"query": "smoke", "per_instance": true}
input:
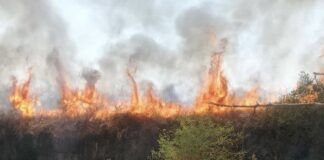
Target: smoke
{"points": [[30, 32], [273, 41], [91, 76], [267, 42], [168, 43]]}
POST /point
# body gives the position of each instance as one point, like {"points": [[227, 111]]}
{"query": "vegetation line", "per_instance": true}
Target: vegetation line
{"points": [[268, 105]]}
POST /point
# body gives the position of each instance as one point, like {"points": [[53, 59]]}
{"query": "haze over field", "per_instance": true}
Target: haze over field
{"points": [[169, 43]]}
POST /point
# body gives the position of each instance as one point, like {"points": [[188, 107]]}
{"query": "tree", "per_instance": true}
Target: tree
{"points": [[308, 91]]}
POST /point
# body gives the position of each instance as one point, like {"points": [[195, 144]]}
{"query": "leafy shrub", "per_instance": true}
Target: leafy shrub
{"points": [[200, 138]]}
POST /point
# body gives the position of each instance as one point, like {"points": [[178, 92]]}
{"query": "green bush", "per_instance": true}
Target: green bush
{"points": [[200, 138]]}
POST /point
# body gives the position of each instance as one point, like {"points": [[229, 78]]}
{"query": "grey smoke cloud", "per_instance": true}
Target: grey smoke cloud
{"points": [[170, 43], [269, 42], [91, 76], [32, 30]]}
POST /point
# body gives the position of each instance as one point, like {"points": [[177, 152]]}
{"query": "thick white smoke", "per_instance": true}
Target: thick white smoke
{"points": [[169, 43]]}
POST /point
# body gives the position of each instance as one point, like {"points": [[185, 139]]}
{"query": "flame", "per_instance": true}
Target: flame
{"points": [[310, 97], [20, 98], [251, 97], [134, 98], [79, 102], [149, 104], [76, 102], [216, 90]]}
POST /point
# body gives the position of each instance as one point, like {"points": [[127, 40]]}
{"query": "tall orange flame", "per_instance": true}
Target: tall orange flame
{"points": [[78, 102], [20, 98], [216, 90]]}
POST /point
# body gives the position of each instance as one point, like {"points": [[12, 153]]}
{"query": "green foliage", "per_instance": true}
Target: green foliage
{"points": [[308, 90], [200, 138]]}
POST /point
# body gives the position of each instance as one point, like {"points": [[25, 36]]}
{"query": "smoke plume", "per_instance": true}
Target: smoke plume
{"points": [[169, 43]]}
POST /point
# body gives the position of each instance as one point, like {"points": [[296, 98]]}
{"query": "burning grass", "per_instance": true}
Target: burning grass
{"points": [[76, 102], [88, 126]]}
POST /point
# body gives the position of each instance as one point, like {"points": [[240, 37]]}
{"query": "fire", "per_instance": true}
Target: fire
{"points": [[310, 95], [149, 104], [76, 102], [20, 98], [134, 98], [251, 97], [216, 90]]}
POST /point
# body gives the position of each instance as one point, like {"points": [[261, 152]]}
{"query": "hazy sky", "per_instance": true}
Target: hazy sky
{"points": [[85, 27]]}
